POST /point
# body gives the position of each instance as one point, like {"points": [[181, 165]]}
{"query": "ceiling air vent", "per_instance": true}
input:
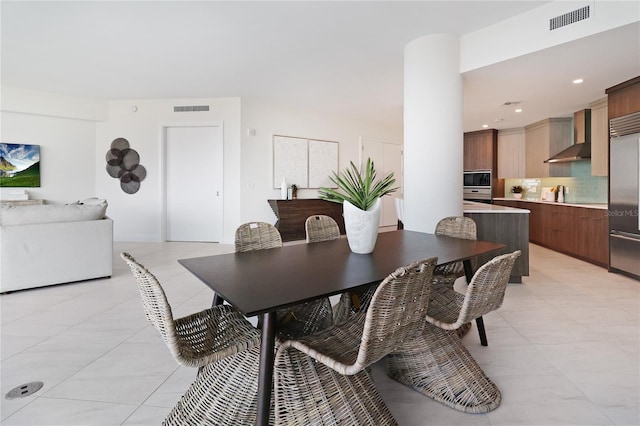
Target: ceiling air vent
{"points": [[191, 108], [569, 18]]}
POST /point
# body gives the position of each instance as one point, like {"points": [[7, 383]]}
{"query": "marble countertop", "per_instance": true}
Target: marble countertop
{"points": [[585, 205], [473, 207]]}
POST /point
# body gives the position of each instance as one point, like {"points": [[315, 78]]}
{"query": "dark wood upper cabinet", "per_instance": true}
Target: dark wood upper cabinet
{"points": [[481, 150], [481, 153], [624, 98]]}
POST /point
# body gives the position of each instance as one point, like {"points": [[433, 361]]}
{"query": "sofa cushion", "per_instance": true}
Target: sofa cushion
{"points": [[23, 215], [93, 201]]}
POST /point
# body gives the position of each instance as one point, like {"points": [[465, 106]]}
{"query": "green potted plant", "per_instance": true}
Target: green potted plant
{"points": [[517, 191], [360, 193]]}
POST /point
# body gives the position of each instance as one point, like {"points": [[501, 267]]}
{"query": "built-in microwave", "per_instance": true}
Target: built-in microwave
{"points": [[477, 185], [480, 178]]}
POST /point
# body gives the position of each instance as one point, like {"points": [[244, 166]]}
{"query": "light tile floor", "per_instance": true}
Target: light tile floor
{"points": [[564, 348]]}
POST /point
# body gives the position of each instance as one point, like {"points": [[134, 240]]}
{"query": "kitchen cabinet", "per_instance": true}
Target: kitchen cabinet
{"points": [[544, 139], [511, 153], [481, 150], [481, 153], [558, 228], [580, 232], [624, 98], [599, 138], [593, 235]]}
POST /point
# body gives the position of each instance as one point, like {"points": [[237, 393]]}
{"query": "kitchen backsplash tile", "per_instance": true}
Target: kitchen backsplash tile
{"points": [[583, 188]]}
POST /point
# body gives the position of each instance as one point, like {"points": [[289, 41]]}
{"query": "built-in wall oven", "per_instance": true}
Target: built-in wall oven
{"points": [[477, 185]]}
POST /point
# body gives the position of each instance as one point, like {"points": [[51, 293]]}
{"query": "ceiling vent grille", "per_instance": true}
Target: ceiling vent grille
{"points": [[191, 108], [569, 18]]}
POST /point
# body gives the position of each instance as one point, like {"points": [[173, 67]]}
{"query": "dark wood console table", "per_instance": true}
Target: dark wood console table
{"points": [[292, 214]]}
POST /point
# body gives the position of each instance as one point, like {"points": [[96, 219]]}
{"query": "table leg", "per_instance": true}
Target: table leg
{"points": [[217, 300], [468, 272], [468, 269], [265, 374]]}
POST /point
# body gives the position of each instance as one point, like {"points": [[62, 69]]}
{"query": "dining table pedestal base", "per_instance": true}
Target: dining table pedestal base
{"points": [[437, 364]]}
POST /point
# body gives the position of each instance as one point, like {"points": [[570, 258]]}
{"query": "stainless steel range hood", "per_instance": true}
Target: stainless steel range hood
{"points": [[577, 152], [581, 149]]}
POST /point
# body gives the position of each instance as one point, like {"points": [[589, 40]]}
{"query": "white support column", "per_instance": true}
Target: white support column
{"points": [[433, 132]]}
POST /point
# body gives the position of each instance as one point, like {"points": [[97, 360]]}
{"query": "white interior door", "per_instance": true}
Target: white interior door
{"points": [[193, 184], [387, 158]]}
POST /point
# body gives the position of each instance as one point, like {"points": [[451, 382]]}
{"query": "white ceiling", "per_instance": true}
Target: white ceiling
{"points": [[343, 57]]}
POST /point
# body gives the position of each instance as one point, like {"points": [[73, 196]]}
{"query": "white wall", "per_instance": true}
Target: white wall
{"points": [[76, 133], [268, 119], [65, 129], [140, 216], [529, 32]]}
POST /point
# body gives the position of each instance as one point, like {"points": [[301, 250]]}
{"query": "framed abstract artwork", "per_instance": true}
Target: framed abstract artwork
{"points": [[308, 163], [19, 165]]}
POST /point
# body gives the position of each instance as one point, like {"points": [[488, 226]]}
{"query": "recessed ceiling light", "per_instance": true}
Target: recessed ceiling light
{"points": [[498, 120], [518, 110], [484, 126], [578, 81]]}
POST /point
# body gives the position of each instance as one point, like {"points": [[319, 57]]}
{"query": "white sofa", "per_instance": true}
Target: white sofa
{"points": [[54, 244]]}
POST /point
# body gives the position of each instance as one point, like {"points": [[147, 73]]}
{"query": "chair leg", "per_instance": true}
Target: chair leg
{"points": [[483, 334], [438, 365]]}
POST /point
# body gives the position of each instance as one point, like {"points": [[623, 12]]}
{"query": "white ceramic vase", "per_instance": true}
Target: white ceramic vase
{"points": [[517, 195], [361, 226]]}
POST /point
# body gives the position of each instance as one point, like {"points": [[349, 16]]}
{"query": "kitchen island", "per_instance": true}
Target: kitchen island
{"points": [[506, 225]]}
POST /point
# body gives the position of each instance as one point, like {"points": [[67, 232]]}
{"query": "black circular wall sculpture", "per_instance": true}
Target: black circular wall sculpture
{"points": [[123, 163]]}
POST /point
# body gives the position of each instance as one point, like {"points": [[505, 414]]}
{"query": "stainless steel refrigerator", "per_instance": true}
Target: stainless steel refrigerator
{"points": [[624, 194]]}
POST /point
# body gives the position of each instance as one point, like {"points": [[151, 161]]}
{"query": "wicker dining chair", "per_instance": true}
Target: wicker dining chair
{"points": [[324, 378], [305, 318], [458, 227], [449, 309], [321, 228], [445, 276], [257, 236], [437, 364], [197, 339]]}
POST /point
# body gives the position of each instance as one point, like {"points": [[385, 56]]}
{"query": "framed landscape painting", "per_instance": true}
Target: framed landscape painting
{"points": [[19, 165]]}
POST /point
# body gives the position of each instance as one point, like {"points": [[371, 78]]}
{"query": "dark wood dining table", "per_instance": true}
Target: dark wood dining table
{"points": [[260, 282]]}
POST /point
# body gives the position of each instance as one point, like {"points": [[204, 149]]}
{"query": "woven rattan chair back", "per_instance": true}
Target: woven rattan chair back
{"points": [[198, 339], [397, 310], [257, 236], [321, 228], [458, 227], [485, 292], [154, 300]]}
